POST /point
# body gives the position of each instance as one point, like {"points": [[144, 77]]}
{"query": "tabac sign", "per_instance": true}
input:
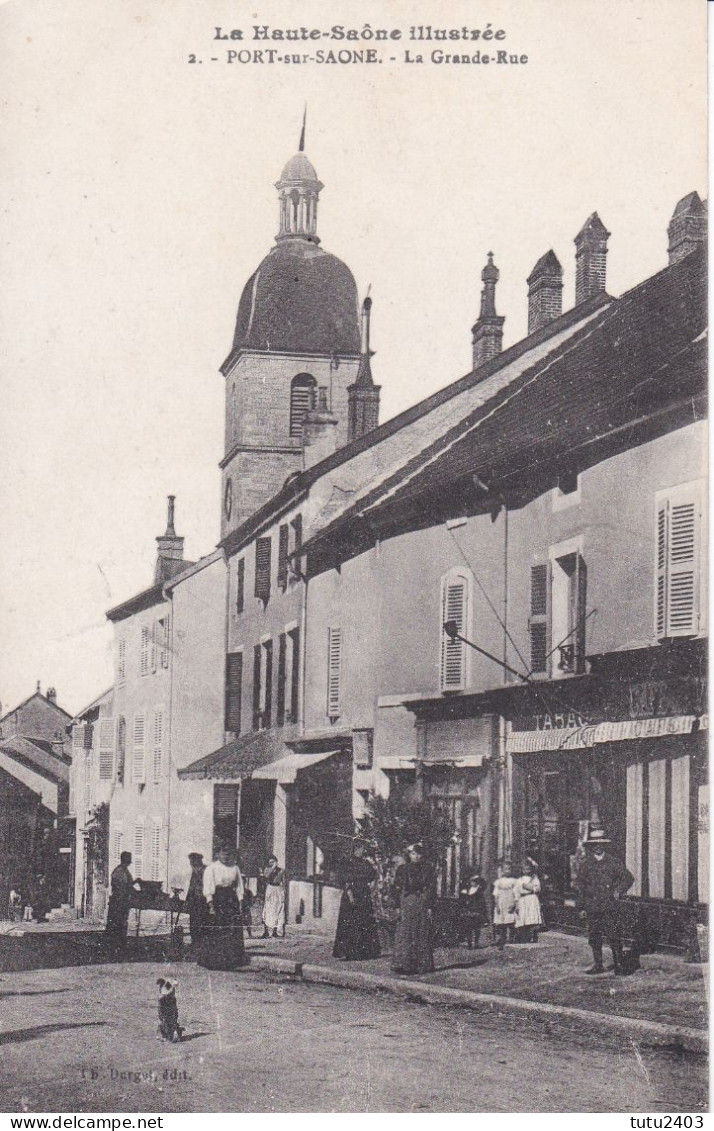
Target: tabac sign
{"points": [[581, 737]]}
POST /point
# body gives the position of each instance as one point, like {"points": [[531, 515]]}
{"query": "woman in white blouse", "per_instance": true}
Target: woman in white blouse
{"points": [[222, 942]]}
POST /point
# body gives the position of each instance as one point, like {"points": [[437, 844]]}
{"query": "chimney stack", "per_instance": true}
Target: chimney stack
{"points": [[590, 255], [488, 330], [51, 695], [319, 431], [687, 228], [545, 291], [169, 557], [363, 395]]}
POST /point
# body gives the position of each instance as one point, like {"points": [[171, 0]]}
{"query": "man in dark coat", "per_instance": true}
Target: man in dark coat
{"points": [[602, 880], [195, 903], [117, 925]]}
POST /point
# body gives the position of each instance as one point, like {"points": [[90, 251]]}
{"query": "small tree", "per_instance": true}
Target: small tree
{"points": [[387, 827]]}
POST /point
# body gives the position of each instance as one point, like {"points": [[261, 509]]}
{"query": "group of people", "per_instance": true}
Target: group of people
{"points": [[217, 899]]}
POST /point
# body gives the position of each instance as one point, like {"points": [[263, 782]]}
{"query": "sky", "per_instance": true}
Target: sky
{"points": [[138, 197]]}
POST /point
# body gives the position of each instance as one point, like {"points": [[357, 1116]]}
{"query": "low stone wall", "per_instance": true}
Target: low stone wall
{"points": [[316, 905]]}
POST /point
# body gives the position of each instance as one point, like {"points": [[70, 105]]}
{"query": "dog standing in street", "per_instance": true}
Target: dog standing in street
{"points": [[169, 1027]]}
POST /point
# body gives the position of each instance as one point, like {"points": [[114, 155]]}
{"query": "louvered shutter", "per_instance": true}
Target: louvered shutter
{"points": [[334, 664], [78, 736], [156, 851], [138, 853], [106, 749], [256, 686], [163, 641], [262, 568], [153, 633], [121, 665], [294, 673], [118, 837], [677, 535], [138, 764], [158, 743], [145, 644], [240, 586], [234, 691], [282, 657], [453, 652], [581, 590], [538, 627], [267, 707], [283, 534], [121, 749]]}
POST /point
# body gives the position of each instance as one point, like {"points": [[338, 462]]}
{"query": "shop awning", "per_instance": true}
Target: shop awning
{"points": [[286, 770], [583, 737], [231, 762]]}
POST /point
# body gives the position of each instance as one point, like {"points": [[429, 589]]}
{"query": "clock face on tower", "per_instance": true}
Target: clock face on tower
{"points": [[228, 498]]}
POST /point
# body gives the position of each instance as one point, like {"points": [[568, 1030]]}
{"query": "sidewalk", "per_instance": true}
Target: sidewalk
{"points": [[666, 991]]}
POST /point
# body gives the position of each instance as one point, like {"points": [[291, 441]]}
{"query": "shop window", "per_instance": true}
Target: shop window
{"points": [[455, 605], [234, 691], [678, 518], [302, 398]]}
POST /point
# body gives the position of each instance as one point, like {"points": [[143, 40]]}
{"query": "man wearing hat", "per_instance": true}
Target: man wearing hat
{"points": [[122, 886], [195, 902], [602, 880]]}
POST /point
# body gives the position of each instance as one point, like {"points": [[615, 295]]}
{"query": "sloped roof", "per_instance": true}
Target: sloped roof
{"points": [[233, 761], [37, 755], [43, 698]]}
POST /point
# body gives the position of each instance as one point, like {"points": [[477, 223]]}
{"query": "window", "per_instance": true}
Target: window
{"points": [[79, 733], [558, 612], [283, 547], [334, 665], [156, 851], [162, 642], [262, 568], [138, 853], [106, 749], [302, 398], [158, 743], [455, 598], [138, 764], [288, 675], [240, 585], [121, 749], [234, 691], [678, 520], [121, 661], [145, 650]]}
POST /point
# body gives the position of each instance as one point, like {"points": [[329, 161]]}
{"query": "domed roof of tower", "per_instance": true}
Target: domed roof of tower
{"points": [[300, 300], [299, 168]]}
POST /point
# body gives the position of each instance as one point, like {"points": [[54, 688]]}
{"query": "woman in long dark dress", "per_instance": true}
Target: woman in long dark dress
{"points": [[222, 935], [357, 936], [414, 885]]}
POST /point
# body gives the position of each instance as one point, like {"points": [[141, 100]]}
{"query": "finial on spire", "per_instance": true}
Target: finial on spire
{"points": [[301, 147]]}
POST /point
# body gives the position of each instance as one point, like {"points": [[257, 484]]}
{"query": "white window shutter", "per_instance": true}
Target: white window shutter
{"points": [[145, 658], [138, 853], [118, 838], [106, 748], [454, 598], [334, 665], [139, 749], [158, 743], [678, 549], [156, 852], [121, 665], [153, 634]]}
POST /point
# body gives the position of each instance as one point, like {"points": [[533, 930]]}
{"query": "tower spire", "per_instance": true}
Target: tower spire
{"points": [[301, 147]]}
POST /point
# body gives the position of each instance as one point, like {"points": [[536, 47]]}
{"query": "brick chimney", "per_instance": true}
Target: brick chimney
{"points": [[488, 330], [363, 395], [51, 695], [319, 431], [590, 256], [688, 227], [545, 291], [169, 557]]}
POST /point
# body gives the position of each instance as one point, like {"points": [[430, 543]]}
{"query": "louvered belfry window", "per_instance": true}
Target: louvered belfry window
{"points": [[538, 620], [677, 565], [334, 671], [234, 691], [262, 568], [302, 395], [454, 607]]}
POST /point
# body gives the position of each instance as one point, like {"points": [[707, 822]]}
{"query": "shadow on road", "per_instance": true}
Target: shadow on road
{"points": [[19, 1036], [31, 993]]}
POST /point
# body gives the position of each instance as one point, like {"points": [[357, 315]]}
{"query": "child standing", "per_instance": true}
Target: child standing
{"points": [[473, 914], [529, 918], [504, 903]]}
